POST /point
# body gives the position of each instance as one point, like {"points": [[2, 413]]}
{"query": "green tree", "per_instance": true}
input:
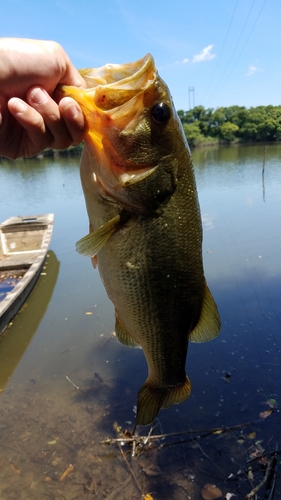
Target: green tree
{"points": [[262, 123], [228, 131], [193, 133]]}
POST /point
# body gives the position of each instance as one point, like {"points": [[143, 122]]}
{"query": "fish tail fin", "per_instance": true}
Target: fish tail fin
{"points": [[151, 399]]}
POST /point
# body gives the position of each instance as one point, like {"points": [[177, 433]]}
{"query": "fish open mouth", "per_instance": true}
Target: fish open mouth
{"points": [[113, 103], [122, 137], [112, 85], [110, 90]]}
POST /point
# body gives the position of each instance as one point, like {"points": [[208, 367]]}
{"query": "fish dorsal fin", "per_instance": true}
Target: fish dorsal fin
{"points": [[208, 326], [91, 244], [123, 335]]}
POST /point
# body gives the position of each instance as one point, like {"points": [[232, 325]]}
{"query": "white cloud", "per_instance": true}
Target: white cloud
{"points": [[184, 61], [253, 69], [204, 55]]}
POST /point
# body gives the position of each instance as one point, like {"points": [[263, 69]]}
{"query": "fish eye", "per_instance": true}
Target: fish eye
{"points": [[161, 112]]}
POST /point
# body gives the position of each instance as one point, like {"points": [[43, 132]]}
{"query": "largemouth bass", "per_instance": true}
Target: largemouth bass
{"points": [[145, 226]]}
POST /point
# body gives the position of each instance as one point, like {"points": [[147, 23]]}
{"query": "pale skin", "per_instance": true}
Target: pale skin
{"points": [[32, 117]]}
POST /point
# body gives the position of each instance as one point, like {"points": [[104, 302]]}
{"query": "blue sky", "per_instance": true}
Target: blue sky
{"points": [[228, 51]]}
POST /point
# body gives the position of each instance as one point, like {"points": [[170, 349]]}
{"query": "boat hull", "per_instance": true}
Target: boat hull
{"points": [[24, 243]]}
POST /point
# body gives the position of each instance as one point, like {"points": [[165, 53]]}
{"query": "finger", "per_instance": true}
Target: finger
{"points": [[35, 136], [28, 117], [72, 77], [74, 119], [40, 100]]}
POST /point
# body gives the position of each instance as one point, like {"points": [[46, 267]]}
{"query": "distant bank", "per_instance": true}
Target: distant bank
{"points": [[204, 127]]}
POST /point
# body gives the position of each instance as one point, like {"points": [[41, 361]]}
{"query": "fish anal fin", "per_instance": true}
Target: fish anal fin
{"points": [[91, 244], [151, 399], [123, 335], [208, 326]]}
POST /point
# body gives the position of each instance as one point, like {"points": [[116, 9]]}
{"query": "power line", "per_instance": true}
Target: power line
{"points": [[222, 79], [240, 36], [242, 50], [224, 43], [236, 45]]}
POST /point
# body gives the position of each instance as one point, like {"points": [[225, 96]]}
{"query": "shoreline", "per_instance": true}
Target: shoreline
{"points": [[76, 151]]}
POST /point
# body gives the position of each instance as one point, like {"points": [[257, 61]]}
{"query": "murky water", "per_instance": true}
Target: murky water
{"points": [[66, 384]]}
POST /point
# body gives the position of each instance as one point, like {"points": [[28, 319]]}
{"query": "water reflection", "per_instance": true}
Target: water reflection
{"points": [[18, 336], [47, 423]]}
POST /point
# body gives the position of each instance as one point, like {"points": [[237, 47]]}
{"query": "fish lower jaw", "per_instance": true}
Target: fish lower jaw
{"points": [[114, 179], [133, 177]]}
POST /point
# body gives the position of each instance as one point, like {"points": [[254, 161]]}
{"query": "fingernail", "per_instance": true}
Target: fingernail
{"points": [[38, 96], [71, 111], [19, 105]]}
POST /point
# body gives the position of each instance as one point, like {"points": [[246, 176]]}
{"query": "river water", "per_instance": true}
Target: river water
{"points": [[66, 384]]}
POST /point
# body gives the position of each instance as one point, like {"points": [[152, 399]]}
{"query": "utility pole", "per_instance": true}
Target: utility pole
{"points": [[191, 90]]}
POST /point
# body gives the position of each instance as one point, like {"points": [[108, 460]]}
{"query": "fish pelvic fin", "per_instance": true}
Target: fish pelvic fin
{"points": [[123, 335], [151, 399], [208, 326], [91, 244]]}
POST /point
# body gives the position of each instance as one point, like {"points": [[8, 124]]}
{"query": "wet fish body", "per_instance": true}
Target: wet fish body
{"points": [[145, 225]]}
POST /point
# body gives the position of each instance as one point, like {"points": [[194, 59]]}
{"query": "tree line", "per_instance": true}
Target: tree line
{"points": [[233, 124]]}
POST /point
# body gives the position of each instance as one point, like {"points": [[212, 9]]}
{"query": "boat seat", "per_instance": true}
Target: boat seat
{"points": [[18, 261]]}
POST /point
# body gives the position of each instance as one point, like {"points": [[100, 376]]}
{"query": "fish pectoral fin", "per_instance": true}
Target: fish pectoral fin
{"points": [[123, 335], [151, 399], [91, 244], [94, 259], [208, 326]]}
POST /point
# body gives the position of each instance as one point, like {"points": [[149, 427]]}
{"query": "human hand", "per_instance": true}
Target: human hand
{"points": [[30, 118]]}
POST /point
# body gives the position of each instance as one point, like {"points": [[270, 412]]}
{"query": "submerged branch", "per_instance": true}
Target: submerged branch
{"points": [[269, 476], [132, 438]]}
